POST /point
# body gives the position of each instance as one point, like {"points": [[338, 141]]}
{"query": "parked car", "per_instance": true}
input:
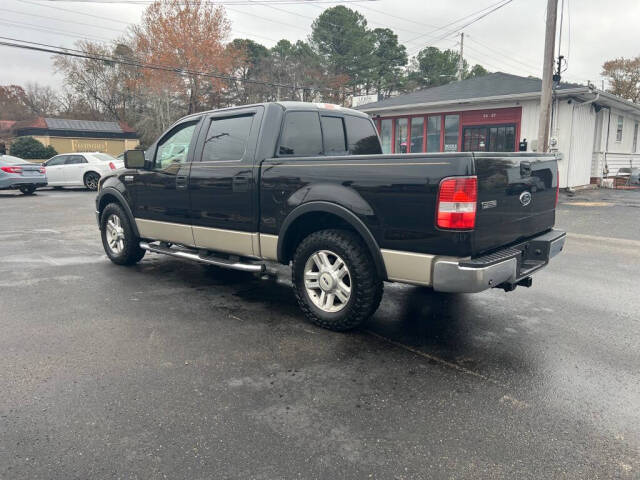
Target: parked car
{"points": [[16, 173], [78, 169], [307, 185], [630, 176]]}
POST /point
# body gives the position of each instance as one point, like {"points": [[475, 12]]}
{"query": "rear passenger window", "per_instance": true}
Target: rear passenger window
{"points": [[75, 160], [301, 134], [227, 138], [333, 135], [56, 161], [361, 136]]}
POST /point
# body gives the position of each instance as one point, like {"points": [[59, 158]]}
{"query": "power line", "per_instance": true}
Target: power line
{"points": [[100, 17], [483, 56], [483, 13], [41, 47], [497, 55], [216, 2], [122, 22], [52, 31], [59, 20]]}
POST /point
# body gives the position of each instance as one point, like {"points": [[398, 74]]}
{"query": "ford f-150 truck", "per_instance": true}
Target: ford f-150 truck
{"points": [[307, 185]]}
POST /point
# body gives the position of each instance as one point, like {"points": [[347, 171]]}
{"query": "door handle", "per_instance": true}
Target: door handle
{"points": [[181, 182]]}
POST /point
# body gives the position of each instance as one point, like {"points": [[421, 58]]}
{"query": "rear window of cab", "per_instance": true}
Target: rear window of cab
{"points": [[313, 134]]}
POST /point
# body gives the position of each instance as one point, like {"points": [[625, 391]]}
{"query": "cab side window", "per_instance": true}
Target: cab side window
{"points": [[57, 161], [75, 160], [361, 136], [301, 135], [333, 136], [174, 147], [227, 138]]}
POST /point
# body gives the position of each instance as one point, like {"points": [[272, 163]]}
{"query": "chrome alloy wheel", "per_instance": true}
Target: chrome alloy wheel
{"points": [[327, 281], [115, 234]]}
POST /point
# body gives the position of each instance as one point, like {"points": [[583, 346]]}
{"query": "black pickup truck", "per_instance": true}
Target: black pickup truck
{"points": [[307, 185]]}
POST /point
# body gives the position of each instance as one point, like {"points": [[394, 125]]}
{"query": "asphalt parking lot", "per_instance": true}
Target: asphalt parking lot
{"points": [[172, 370]]}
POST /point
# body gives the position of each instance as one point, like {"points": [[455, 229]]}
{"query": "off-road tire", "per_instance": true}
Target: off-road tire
{"points": [[366, 285], [91, 180], [131, 253], [27, 189]]}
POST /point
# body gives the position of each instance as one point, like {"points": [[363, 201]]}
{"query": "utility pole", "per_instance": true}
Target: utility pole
{"points": [[547, 76], [461, 60]]}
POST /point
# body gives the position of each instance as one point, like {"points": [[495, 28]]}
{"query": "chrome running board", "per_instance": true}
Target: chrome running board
{"points": [[208, 259]]}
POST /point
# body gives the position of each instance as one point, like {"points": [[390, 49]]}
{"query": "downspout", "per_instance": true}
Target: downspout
{"points": [[606, 148], [573, 109]]}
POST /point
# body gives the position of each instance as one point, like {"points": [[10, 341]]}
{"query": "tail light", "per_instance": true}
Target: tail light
{"points": [[43, 170], [557, 185], [457, 200], [11, 169], [112, 166]]}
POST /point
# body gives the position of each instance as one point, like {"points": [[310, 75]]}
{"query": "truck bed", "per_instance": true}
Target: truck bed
{"points": [[395, 196]]}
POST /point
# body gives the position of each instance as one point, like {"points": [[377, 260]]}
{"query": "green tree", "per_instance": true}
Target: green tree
{"points": [[341, 37], [250, 65], [390, 60], [476, 71], [30, 148], [433, 67]]}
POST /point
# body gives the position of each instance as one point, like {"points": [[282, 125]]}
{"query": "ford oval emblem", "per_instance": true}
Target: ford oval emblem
{"points": [[525, 198]]}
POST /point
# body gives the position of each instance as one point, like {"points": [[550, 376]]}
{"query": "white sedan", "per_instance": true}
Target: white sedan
{"points": [[78, 169]]}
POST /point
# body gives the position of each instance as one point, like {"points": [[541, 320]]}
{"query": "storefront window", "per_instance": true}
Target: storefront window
{"points": [[451, 124], [385, 135], [433, 133], [417, 134], [401, 135]]}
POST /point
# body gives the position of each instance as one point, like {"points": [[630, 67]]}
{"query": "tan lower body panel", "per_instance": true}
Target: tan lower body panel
{"points": [[165, 231], [407, 267], [245, 244], [269, 246], [227, 241]]}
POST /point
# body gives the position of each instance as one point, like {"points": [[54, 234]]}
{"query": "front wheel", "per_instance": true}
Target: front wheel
{"points": [[28, 189], [335, 280], [91, 180], [118, 238]]}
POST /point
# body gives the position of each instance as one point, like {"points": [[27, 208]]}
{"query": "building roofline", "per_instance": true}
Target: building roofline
{"points": [[567, 92]]}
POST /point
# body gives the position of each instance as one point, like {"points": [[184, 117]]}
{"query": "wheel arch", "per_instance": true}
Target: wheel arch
{"points": [[318, 215], [111, 195]]}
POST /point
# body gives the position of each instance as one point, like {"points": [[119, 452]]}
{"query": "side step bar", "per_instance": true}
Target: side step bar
{"points": [[209, 259]]}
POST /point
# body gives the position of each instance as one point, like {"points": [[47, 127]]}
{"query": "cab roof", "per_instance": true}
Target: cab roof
{"points": [[289, 105]]}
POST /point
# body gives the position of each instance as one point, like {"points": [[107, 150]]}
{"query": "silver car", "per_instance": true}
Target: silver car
{"points": [[20, 174]]}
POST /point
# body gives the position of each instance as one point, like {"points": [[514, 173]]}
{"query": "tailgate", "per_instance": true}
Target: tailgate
{"points": [[516, 198]]}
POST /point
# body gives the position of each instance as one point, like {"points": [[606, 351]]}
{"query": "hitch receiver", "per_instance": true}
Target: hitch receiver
{"points": [[524, 282]]}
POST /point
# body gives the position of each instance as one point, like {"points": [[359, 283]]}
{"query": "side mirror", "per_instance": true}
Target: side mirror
{"points": [[134, 159]]}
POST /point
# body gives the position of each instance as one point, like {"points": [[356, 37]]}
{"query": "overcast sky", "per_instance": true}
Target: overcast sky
{"points": [[509, 40]]}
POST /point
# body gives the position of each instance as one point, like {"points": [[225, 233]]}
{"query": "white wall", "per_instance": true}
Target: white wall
{"points": [[529, 122], [617, 154], [576, 132]]}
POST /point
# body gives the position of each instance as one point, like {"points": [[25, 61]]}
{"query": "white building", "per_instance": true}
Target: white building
{"points": [[595, 132]]}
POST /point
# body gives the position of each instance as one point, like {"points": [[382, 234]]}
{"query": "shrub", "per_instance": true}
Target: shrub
{"points": [[30, 148]]}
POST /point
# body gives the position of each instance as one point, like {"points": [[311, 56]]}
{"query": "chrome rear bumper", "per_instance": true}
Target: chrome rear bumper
{"points": [[504, 268]]}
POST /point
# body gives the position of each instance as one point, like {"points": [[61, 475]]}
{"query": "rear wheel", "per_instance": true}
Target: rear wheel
{"points": [[91, 180], [118, 238], [28, 189], [335, 280]]}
